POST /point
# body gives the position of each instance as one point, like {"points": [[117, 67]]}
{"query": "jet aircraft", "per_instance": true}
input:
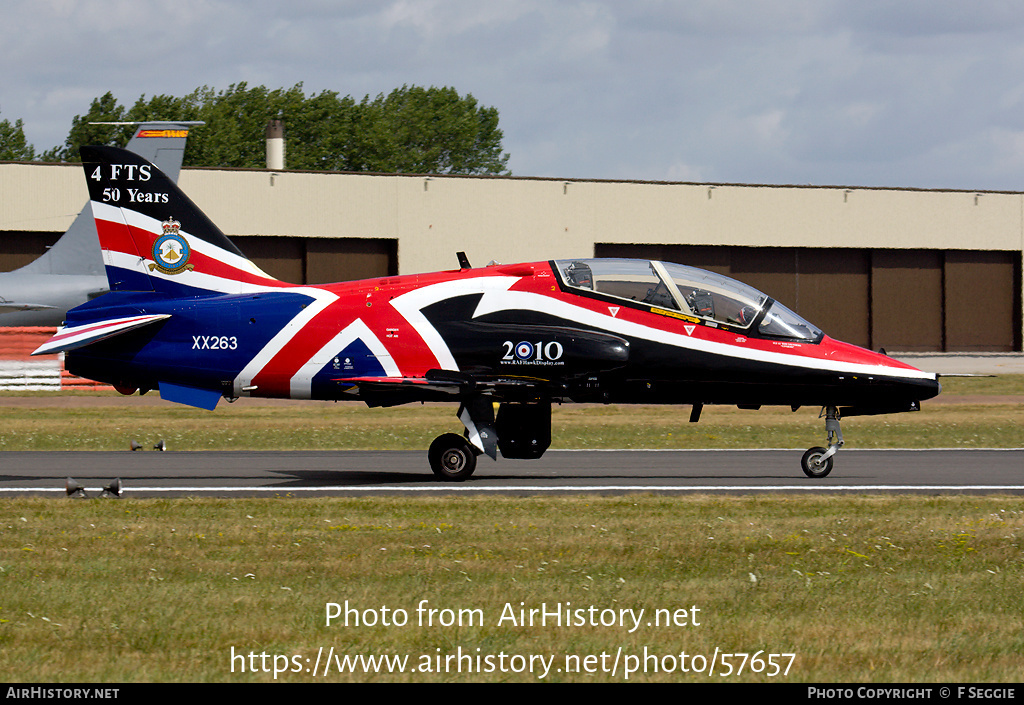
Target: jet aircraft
{"points": [[71, 272], [188, 314]]}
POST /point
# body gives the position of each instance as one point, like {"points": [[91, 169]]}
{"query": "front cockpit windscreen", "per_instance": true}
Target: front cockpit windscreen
{"points": [[691, 291]]}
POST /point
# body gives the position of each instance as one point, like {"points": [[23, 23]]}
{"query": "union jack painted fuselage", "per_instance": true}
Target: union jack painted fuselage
{"points": [[190, 315]]}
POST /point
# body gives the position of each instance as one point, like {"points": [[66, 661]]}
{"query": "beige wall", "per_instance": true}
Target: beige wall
{"points": [[512, 219], [523, 219], [40, 198], [532, 219]]}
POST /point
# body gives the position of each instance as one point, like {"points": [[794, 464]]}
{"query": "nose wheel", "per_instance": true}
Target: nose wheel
{"points": [[815, 464], [817, 461]]}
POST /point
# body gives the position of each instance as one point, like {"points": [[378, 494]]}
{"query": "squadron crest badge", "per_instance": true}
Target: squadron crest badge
{"points": [[171, 251]]}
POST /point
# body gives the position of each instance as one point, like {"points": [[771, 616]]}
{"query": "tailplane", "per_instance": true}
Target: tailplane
{"points": [[154, 238]]}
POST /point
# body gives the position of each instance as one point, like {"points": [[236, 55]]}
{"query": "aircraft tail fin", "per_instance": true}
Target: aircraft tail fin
{"points": [[163, 144], [160, 142], [154, 238]]}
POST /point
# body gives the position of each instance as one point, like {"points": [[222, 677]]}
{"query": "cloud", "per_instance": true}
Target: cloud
{"points": [[790, 91]]}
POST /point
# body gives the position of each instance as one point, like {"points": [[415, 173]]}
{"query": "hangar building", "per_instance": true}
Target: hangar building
{"points": [[909, 270]]}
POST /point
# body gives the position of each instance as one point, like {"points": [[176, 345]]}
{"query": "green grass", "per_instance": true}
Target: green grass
{"points": [[1012, 385], [993, 422], [860, 588], [866, 589], [354, 428]]}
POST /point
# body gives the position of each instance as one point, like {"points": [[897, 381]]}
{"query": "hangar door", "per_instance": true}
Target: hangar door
{"points": [[900, 300], [321, 260], [291, 259], [20, 248]]}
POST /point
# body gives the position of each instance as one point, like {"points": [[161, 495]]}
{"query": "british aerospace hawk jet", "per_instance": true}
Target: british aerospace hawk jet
{"points": [[189, 315]]}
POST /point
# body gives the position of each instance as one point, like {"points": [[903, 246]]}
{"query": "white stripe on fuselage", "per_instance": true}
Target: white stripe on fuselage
{"points": [[412, 303], [497, 297], [302, 382], [494, 300], [321, 300]]}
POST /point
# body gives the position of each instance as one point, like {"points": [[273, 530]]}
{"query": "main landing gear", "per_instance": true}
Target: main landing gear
{"points": [[452, 457], [817, 461], [519, 430]]}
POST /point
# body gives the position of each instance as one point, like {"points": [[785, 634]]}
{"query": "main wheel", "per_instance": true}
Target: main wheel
{"points": [[451, 457], [812, 464]]}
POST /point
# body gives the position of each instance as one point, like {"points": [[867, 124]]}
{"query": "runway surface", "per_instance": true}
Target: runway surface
{"points": [[346, 473]]}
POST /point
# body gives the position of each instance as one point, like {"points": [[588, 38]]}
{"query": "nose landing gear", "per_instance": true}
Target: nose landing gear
{"points": [[817, 461]]}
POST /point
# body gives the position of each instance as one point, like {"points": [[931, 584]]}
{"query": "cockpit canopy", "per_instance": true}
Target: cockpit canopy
{"points": [[693, 292]]}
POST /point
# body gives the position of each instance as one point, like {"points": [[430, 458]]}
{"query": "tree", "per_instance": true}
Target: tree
{"points": [[13, 146], [413, 129], [83, 131], [421, 130]]}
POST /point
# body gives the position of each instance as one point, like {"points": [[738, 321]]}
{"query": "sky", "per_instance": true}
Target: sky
{"points": [[900, 93]]}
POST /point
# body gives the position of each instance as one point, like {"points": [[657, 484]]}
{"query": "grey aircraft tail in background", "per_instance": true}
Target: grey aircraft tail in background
{"points": [[71, 272]]}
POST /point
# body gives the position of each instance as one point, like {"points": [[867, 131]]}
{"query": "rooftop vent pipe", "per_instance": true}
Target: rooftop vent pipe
{"points": [[275, 145]]}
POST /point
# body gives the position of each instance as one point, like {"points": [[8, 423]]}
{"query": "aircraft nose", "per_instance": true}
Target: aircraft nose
{"points": [[917, 388], [928, 388]]}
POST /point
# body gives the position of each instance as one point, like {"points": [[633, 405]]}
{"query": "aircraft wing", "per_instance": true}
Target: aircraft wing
{"points": [[19, 306], [436, 385], [401, 381], [72, 337]]}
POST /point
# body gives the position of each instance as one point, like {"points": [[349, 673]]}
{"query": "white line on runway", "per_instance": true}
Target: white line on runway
{"points": [[773, 450], [559, 488]]}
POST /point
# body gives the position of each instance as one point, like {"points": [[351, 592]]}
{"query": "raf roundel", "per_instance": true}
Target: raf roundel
{"points": [[524, 351], [171, 251]]}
